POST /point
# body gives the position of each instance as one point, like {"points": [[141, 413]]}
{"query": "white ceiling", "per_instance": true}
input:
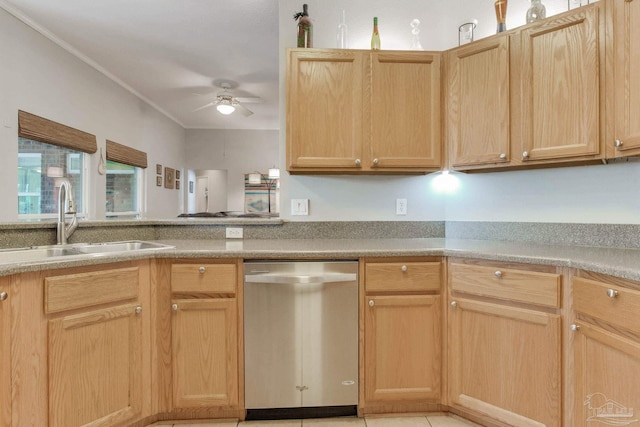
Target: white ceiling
{"points": [[172, 52]]}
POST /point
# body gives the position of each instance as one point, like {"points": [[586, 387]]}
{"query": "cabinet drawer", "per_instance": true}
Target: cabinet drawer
{"points": [[205, 278], [614, 304], [530, 287], [88, 289], [402, 276]]}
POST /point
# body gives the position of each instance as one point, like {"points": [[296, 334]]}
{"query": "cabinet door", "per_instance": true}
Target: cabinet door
{"points": [[405, 111], [5, 355], [402, 348], [560, 81], [205, 353], [478, 116], [504, 362], [95, 367], [607, 368], [324, 109], [627, 69]]}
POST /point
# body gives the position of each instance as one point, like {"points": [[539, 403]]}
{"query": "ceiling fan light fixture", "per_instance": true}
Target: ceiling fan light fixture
{"points": [[225, 107]]}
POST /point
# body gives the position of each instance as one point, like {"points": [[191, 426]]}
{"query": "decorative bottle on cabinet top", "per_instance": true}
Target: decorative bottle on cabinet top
{"points": [[501, 15], [342, 41], [375, 37], [305, 27], [536, 12]]}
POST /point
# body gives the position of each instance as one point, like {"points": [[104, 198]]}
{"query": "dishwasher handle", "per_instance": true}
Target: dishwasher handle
{"points": [[277, 278]]}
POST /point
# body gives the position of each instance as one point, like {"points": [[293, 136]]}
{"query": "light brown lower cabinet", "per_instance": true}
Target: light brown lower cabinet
{"points": [[204, 343], [5, 353], [606, 351], [97, 346], [205, 336], [402, 335]]}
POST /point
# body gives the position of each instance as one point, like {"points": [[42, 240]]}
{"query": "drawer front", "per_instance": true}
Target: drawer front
{"points": [[531, 287], [88, 289], [402, 276], [206, 278], [614, 304]]}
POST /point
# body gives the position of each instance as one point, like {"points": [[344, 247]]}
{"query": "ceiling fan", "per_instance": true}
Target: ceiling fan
{"points": [[226, 103]]}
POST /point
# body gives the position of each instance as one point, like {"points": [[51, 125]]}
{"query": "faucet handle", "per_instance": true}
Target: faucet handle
{"points": [[72, 207]]}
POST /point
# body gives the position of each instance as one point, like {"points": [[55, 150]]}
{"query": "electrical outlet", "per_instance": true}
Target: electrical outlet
{"points": [[234, 233], [401, 206], [299, 206]]}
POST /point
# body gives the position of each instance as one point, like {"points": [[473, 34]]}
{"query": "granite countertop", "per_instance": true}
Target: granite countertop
{"points": [[624, 263]]}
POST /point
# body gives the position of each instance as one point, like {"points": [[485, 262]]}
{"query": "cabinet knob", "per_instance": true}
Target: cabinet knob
{"points": [[138, 309], [525, 154], [375, 162], [404, 268], [574, 327], [202, 269], [612, 293], [4, 296], [454, 304], [618, 143], [371, 303], [498, 274], [358, 162], [174, 307], [503, 156]]}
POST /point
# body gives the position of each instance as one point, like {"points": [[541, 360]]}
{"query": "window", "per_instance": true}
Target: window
{"points": [[124, 190], [41, 169]]}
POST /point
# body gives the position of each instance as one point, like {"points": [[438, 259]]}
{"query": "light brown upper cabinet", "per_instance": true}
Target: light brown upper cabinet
{"points": [[561, 76], [478, 121], [352, 111], [529, 97], [625, 86]]}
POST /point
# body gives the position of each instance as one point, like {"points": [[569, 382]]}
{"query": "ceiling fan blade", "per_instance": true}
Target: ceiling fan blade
{"points": [[243, 110], [211, 104], [249, 99]]}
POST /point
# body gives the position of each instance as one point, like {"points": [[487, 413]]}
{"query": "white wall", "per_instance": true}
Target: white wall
{"points": [[236, 151], [40, 77], [590, 194]]}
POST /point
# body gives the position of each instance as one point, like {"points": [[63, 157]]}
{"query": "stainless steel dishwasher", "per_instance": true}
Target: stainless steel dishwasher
{"points": [[301, 338]]}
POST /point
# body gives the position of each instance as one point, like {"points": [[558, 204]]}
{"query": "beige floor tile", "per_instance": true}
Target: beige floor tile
{"points": [[448, 421], [410, 421], [334, 422], [277, 423]]}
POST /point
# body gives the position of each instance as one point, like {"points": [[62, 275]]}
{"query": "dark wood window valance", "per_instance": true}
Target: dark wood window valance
{"points": [[126, 155], [40, 129]]}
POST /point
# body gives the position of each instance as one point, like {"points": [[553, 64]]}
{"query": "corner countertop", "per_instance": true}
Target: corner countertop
{"points": [[624, 263]]}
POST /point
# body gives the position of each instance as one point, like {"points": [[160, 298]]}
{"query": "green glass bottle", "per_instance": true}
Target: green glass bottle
{"points": [[375, 37]]}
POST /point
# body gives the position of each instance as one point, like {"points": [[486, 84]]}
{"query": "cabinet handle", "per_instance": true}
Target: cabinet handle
{"points": [[618, 143], [358, 162], [4, 296], [202, 269], [454, 304], [498, 274], [174, 307], [525, 154], [371, 303], [574, 327], [503, 156], [404, 268], [375, 162], [138, 309], [612, 293]]}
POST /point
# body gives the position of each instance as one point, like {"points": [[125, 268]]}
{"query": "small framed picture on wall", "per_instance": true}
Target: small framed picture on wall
{"points": [[191, 187], [158, 169], [177, 185], [169, 177], [177, 174], [159, 181]]}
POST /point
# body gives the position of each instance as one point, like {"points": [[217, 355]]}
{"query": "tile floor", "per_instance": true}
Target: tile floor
{"points": [[403, 421]]}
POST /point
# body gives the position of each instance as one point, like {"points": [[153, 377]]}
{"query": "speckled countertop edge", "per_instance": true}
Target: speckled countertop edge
{"points": [[624, 263]]}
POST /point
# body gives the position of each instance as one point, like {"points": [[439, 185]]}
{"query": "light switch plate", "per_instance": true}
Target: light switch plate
{"points": [[299, 206]]}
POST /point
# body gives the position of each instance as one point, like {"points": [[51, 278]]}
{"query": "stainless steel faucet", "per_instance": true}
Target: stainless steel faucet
{"points": [[66, 206]]}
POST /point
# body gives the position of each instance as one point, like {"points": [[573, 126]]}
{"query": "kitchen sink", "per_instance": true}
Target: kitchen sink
{"points": [[45, 253]]}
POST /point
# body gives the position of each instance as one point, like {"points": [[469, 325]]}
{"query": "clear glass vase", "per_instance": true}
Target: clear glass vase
{"points": [[536, 11]]}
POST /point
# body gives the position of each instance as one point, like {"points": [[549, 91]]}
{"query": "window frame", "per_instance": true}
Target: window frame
{"points": [[140, 191]]}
